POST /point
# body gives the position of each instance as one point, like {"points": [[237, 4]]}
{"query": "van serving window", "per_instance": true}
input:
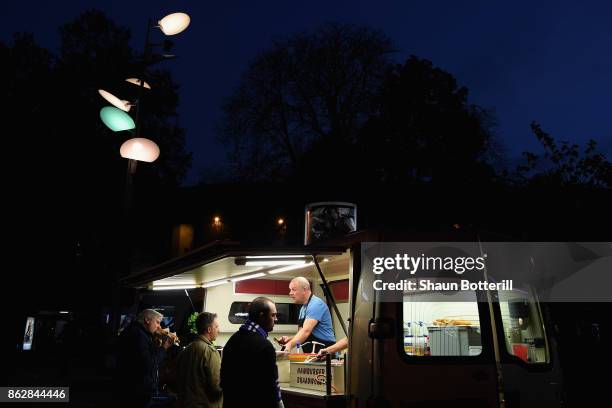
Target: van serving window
{"points": [[287, 312], [441, 325], [523, 326]]}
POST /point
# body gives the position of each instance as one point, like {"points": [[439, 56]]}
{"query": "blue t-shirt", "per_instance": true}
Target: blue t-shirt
{"points": [[318, 310]]}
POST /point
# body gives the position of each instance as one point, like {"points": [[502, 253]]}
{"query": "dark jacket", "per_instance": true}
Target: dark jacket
{"points": [[248, 370], [138, 360], [198, 375]]}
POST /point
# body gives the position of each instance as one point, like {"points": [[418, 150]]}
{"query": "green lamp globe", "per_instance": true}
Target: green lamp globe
{"points": [[116, 119]]}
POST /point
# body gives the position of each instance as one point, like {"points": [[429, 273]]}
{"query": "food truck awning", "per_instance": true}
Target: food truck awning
{"points": [[221, 261]]}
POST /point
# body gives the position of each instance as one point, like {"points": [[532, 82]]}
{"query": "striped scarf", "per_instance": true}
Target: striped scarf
{"points": [[255, 328]]}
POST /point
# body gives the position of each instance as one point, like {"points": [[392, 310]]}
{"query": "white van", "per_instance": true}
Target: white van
{"points": [[409, 353]]}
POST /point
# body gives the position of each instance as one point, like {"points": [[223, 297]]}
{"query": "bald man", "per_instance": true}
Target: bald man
{"points": [[314, 322]]}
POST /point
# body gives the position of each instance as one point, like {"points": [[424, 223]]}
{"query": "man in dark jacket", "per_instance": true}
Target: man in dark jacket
{"points": [[249, 375], [138, 360]]}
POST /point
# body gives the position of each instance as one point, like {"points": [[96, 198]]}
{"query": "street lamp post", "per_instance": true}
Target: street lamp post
{"points": [[137, 148]]}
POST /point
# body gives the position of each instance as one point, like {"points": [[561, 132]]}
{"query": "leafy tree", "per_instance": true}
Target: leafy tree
{"points": [[562, 164], [420, 130], [319, 105], [309, 87], [425, 130]]}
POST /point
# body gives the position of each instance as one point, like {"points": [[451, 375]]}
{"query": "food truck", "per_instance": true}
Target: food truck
{"points": [[463, 348]]}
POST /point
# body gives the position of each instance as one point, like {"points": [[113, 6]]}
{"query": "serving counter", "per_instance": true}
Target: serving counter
{"points": [[294, 397]]}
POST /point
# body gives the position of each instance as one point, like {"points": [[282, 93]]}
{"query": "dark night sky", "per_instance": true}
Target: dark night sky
{"points": [[544, 61]]}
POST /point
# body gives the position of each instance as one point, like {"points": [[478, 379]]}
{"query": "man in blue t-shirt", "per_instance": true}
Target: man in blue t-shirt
{"points": [[314, 321]]}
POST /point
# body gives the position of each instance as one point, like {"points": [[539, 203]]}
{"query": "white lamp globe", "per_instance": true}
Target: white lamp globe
{"points": [[174, 23], [116, 102], [140, 149]]}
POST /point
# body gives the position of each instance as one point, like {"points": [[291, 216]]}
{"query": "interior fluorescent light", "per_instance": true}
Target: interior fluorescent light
{"points": [[215, 283], [175, 287], [174, 282], [276, 263], [273, 256], [241, 278], [288, 268]]}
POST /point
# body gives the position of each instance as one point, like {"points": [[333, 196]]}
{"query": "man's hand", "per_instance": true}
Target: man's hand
{"points": [[167, 343], [284, 339], [289, 345], [281, 353], [322, 355]]}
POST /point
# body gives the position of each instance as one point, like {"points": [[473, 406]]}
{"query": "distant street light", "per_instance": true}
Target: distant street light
{"points": [[217, 225], [281, 229]]}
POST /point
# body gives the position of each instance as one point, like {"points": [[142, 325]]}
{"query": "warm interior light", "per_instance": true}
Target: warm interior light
{"points": [[217, 219], [116, 102], [276, 263], [273, 256], [116, 119], [215, 283], [289, 268], [136, 82], [174, 23], [280, 221], [245, 277], [175, 287], [270, 260], [140, 149]]}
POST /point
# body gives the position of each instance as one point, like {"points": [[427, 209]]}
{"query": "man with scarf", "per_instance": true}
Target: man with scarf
{"points": [[249, 375]]}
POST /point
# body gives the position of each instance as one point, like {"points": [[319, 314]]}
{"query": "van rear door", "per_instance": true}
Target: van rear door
{"points": [[446, 363], [420, 351], [530, 367]]}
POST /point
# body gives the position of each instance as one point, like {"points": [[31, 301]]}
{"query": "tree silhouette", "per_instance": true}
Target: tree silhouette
{"points": [[308, 87], [319, 105], [563, 165], [424, 130]]}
